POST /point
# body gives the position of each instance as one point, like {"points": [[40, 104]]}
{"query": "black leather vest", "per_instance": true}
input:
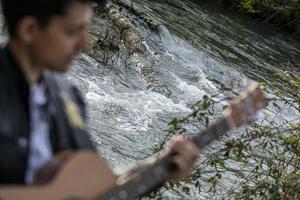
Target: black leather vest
{"points": [[65, 111]]}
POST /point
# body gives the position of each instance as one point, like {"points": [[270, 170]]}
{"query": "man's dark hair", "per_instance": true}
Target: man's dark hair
{"points": [[42, 10]]}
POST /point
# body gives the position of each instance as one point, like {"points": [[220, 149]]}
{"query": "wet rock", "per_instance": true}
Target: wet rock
{"points": [[153, 83], [115, 38], [129, 34], [150, 21]]}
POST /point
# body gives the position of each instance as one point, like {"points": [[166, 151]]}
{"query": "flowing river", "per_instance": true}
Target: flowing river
{"points": [[197, 46]]}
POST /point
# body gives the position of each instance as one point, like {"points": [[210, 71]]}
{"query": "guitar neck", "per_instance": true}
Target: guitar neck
{"points": [[157, 174], [212, 133]]}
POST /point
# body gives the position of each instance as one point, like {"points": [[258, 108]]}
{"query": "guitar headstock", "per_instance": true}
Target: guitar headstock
{"points": [[246, 104]]}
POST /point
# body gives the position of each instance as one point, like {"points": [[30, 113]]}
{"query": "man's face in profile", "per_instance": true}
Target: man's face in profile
{"points": [[55, 45]]}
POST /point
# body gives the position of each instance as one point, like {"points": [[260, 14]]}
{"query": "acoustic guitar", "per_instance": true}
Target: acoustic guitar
{"points": [[86, 176]]}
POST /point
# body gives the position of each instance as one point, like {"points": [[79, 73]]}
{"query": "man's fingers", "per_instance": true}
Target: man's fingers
{"points": [[171, 147], [183, 169], [185, 153], [185, 148]]}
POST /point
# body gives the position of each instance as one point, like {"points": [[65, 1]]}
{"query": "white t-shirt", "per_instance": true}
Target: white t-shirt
{"points": [[40, 150]]}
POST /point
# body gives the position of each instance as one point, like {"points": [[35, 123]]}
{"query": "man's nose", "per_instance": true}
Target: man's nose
{"points": [[83, 42]]}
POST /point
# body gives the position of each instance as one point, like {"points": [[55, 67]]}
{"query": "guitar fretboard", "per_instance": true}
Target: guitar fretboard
{"points": [[154, 176], [211, 134]]}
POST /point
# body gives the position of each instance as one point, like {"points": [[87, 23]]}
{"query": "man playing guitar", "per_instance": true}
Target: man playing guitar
{"points": [[41, 113]]}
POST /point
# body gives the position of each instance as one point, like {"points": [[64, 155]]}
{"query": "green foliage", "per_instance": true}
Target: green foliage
{"points": [[249, 5], [284, 13], [264, 158]]}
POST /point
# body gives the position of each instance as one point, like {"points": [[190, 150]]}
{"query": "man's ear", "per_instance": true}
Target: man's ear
{"points": [[27, 29]]}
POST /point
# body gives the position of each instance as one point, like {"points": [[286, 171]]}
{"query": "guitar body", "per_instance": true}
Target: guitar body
{"points": [[84, 176]]}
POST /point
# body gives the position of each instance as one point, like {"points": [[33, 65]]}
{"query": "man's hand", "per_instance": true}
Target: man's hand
{"points": [[184, 154]]}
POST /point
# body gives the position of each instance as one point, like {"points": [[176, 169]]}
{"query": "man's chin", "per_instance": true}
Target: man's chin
{"points": [[59, 68]]}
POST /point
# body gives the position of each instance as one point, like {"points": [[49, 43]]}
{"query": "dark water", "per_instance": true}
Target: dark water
{"points": [[196, 44]]}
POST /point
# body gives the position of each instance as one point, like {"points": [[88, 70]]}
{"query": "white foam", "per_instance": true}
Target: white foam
{"points": [[190, 57], [138, 108]]}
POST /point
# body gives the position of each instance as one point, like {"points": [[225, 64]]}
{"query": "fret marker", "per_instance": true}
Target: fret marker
{"points": [[123, 194], [137, 179], [142, 188], [158, 171], [205, 138]]}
